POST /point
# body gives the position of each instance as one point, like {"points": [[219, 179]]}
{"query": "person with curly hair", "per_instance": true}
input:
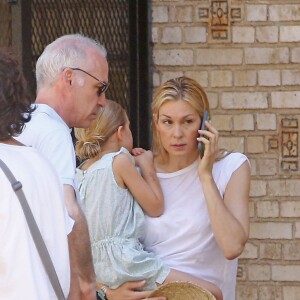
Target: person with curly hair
{"points": [[22, 272]]}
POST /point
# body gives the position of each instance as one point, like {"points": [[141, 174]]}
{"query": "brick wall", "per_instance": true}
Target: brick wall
{"points": [[246, 54]]}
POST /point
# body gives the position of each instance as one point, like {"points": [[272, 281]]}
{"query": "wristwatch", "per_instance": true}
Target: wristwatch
{"points": [[101, 294]]}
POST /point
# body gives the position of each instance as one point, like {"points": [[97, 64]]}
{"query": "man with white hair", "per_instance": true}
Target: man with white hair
{"points": [[72, 78]]}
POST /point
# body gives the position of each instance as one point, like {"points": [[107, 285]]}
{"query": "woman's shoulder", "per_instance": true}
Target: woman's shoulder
{"points": [[224, 168], [233, 156], [231, 161]]}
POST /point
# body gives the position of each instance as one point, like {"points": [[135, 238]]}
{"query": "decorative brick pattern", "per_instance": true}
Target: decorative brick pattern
{"points": [[246, 54]]}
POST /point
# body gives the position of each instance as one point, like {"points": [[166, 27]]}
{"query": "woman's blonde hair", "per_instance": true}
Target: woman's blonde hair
{"points": [[90, 140], [177, 89]]}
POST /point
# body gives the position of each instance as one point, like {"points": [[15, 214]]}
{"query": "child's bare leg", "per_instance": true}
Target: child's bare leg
{"points": [[175, 275]]}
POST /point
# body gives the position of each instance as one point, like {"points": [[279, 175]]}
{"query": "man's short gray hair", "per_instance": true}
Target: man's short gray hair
{"points": [[66, 51]]}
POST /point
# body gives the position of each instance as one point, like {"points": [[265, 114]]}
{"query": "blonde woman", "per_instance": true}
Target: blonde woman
{"points": [[205, 224], [114, 199]]}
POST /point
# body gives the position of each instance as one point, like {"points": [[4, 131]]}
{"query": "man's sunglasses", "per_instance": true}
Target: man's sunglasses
{"points": [[104, 85]]}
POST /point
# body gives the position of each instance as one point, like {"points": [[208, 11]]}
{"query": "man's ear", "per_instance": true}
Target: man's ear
{"points": [[67, 76]]}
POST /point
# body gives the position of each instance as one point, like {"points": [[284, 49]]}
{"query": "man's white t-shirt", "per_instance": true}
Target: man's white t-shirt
{"points": [[50, 135], [22, 274], [182, 236]]}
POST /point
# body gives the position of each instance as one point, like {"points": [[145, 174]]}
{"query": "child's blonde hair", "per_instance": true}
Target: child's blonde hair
{"points": [[90, 140]]}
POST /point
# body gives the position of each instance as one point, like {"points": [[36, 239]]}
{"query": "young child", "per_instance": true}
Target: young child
{"points": [[114, 199]]}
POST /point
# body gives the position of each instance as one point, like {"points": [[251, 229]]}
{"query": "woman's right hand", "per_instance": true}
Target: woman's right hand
{"points": [[129, 291]]}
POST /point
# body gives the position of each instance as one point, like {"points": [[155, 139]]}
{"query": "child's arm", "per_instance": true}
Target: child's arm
{"points": [[146, 190]]}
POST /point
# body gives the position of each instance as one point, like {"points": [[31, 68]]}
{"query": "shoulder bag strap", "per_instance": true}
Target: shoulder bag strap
{"points": [[35, 232]]}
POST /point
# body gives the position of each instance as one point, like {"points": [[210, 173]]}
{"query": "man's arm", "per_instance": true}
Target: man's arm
{"points": [[129, 291], [82, 271]]}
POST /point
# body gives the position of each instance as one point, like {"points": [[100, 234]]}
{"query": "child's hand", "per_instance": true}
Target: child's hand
{"points": [[137, 151], [144, 158]]}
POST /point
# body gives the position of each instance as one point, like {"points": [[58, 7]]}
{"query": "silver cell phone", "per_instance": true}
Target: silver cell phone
{"points": [[201, 146]]}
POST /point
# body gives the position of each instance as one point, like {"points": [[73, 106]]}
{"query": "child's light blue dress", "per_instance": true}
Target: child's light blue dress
{"points": [[116, 222]]}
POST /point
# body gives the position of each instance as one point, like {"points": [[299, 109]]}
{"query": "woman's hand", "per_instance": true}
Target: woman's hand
{"points": [[129, 291], [210, 140]]}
